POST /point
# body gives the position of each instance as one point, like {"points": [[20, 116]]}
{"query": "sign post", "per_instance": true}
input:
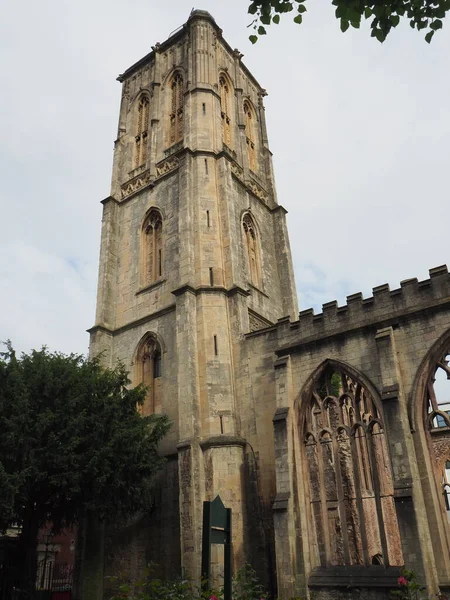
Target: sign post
{"points": [[216, 530]]}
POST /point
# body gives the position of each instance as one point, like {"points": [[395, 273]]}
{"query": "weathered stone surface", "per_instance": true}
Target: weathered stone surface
{"points": [[239, 370]]}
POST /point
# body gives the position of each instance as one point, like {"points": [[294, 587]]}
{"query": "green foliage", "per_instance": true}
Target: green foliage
{"points": [[72, 440], [409, 588], [384, 15], [336, 385], [246, 586]]}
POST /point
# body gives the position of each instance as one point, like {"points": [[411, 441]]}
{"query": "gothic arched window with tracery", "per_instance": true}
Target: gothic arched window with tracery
{"points": [[151, 248], [250, 120], [177, 107], [141, 137], [437, 424], [252, 249], [351, 488], [225, 110], [148, 371]]}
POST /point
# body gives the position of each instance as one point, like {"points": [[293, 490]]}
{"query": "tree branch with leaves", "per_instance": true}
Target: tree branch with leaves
{"points": [[384, 15]]}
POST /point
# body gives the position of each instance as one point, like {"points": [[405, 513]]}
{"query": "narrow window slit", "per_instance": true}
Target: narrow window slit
{"points": [[211, 276], [207, 219], [215, 346], [206, 166], [204, 108], [221, 423]]}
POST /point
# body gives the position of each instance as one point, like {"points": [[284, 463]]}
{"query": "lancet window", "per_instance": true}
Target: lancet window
{"points": [[152, 248], [250, 134], [141, 138], [177, 106], [252, 248], [351, 489], [148, 372], [225, 110]]}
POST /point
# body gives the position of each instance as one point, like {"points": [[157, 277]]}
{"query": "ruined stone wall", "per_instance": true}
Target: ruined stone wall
{"points": [[385, 340]]}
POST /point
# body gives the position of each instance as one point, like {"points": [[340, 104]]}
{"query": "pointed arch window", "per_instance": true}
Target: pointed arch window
{"points": [[249, 116], [437, 423], [225, 110], [148, 371], [350, 481], [252, 248], [152, 248], [438, 394], [141, 138], [177, 106]]}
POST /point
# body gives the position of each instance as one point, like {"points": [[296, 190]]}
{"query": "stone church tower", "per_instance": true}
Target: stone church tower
{"points": [[194, 254], [327, 434]]}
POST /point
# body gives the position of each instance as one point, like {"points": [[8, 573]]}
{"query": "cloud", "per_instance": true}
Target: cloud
{"points": [[359, 131]]}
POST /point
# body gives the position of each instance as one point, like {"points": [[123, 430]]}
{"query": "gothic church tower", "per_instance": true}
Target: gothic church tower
{"points": [[194, 255]]}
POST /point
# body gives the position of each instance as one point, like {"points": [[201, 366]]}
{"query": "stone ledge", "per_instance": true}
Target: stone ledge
{"points": [[131, 324], [281, 414], [214, 289], [375, 576], [152, 286], [281, 502], [217, 441]]}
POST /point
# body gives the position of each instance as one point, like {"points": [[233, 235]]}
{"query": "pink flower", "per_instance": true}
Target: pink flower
{"points": [[402, 581], [213, 598]]}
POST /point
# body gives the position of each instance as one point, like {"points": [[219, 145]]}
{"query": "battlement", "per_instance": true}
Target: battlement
{"points": [[385, 305]]}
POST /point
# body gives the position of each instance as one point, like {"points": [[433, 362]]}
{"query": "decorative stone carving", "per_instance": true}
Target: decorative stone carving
{"points": [[136, 184], [257, 190], [251, 185], [237, 172], [167, 166]]}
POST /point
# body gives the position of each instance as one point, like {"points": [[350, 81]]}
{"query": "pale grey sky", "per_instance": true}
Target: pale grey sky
{"points": [[360, 134]]}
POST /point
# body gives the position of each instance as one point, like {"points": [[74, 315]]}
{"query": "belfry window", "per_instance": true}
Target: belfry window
{"points": [[152, 248], [351, 488], [250, 134], [176, 111], [225, 110], [148, 372], [252, 248], [141, 138]]}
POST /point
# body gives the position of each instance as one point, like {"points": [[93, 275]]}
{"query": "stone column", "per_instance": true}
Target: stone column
{"points": [[408, 496], [285, 517]]}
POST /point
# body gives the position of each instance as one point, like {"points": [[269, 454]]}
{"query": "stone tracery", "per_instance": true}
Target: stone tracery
{"points": [[250, 134], [225, 110], [151, 257], [251, 242], [351, 490], [141, 139], [177, 106], [148, 372], [437, 408]]}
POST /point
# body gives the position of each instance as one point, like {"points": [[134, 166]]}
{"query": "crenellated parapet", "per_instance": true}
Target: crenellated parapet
{"points": [[384, 307], [384, 304]]}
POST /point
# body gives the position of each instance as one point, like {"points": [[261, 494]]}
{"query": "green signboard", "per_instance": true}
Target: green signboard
{"points": [[216, 530]]}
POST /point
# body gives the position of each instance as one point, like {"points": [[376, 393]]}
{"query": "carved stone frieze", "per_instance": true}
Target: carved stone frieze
{"points": [[135, 184], [257, 190], [237, 172], [167, 166], [251, 185]]}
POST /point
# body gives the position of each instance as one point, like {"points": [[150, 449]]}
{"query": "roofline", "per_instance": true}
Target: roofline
{"points": [[178, 33]]}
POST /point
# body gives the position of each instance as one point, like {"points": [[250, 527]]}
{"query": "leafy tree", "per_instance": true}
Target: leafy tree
{"points": [[383, 14], [72, 442]]}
